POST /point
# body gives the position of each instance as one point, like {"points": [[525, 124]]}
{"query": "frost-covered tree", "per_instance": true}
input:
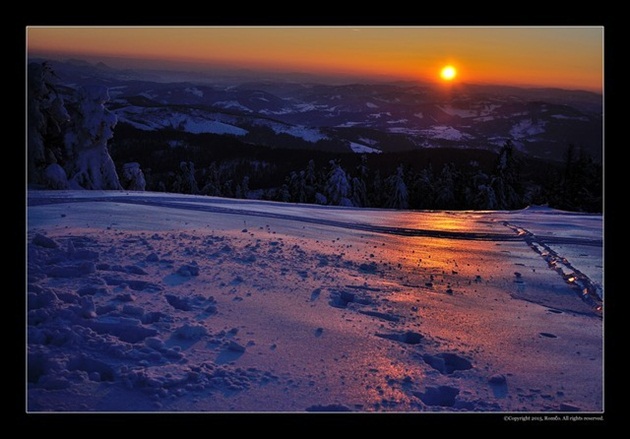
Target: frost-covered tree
{"points": [[133, 177], [338, 187], [506, 183], [320, 199], [91, 166], [479, 193], [47, 116], [284, 194], [422, 193], [245, 187], [445, 192], [397, 188], [486, 198], [376, 192], [54, 177], [213, 181], [296, 183], [185, 182], [359, 184], [310, 175]]}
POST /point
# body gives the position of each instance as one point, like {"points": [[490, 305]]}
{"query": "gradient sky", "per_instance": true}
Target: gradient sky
{"points": [[565, 57]]}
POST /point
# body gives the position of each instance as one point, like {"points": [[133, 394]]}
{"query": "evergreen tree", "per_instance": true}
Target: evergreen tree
{"points": [[397, 189], [359, 184], [506, 184], [185, 182], [90, 166], [481, 195], [47, 117], [284, 195], [213, 181], [296, 183], [445, 187], [133, 177], [245, 187], [422, 193], [581, 186], [376, 194], [338, 188]]}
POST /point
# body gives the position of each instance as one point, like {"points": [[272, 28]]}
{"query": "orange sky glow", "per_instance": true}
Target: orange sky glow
{"points": [[564, 57]]}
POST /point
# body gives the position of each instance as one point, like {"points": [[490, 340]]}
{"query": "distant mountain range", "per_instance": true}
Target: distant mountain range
{"points": [[360, 118]]}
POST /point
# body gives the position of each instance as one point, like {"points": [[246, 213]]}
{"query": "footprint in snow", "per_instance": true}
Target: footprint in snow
{"points": [[315, 294], [408, 337]]}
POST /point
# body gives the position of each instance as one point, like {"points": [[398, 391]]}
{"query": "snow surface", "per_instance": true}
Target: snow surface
{"points": [[363, 149], [445, 132], [195, 91], [197, 122], [309, 134], [164, 302], [235, 105], [527, 128], [453, 111]]}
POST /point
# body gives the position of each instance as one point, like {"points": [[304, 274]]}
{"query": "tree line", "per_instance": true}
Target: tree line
{"points": [[497, 181]]}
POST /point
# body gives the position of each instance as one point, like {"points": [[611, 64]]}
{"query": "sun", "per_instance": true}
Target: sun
{"points": [[448, 73]]}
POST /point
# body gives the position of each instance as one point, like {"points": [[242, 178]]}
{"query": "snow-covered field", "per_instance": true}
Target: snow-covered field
{"points": [[163, 302]]}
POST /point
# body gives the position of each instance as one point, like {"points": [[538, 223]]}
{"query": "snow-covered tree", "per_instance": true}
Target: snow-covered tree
{"points": [[486, 198], [54, 177], [47, 116], [283, 194], [422, 193], [310, 176], [321, 198], [398, 194], [376, 192], [445, 196], [90, 165], [338, 187], [133, 177], [212, 187], [185, 182], [296, 183], [359, 184], [506, 182], [245, 187]]}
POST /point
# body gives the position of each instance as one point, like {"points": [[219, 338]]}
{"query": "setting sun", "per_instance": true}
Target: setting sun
{"points": [[448, 73]]}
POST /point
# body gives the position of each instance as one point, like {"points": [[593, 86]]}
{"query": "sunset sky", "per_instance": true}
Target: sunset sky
{"points": [[565, 57]]}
